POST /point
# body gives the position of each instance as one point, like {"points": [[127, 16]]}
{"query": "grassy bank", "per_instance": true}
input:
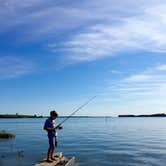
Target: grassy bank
{"points": [[19, 116], [6, 135]]}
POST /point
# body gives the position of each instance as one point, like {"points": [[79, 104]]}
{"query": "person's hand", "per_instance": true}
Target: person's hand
{"points": [[58, 127]]}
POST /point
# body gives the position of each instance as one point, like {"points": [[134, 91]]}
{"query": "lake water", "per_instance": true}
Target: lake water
{"points": [[94, 141]]}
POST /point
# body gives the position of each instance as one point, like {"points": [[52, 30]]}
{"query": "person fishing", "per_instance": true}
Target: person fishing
{"points": [[50, 127]]}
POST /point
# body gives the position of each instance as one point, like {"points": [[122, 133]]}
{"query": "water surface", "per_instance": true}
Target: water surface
{"points": [[94, 141]]}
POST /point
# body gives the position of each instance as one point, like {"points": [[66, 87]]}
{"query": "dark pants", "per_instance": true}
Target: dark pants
{"points": [[52, 141]]}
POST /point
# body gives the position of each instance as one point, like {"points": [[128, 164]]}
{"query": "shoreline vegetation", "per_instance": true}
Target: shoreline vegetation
{"points": [[40, 116], [19, 116], [36, 116], [6, 135], [137, 116]]}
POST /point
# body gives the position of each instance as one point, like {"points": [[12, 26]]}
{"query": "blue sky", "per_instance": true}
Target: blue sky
{"points": [[57, 54]]}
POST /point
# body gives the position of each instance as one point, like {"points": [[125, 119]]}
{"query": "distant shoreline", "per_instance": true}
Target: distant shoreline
{"points": [[35, 116], [137, 116], [19, 116], [40, 116]]}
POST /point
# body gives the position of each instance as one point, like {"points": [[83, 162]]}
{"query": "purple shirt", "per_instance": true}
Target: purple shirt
{"points": [[51, 124]]}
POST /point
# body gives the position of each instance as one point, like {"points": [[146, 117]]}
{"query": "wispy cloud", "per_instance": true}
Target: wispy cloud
{"points": [[149, 75], [143, 32], [116, 72], [40, 19], [92, 30], [162, 68], [139, 78], [147, 85], [143, 92], [87, 31], [12, 67]]}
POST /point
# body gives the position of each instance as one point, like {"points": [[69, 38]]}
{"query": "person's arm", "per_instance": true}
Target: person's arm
{"points": [[51, 129], [48, 128]]}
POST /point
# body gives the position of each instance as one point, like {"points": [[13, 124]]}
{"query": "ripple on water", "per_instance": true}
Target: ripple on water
{"points": [[93, 141]]}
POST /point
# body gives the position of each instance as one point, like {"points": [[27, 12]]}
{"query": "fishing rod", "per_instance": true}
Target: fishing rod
{"points": [[79, 108]]}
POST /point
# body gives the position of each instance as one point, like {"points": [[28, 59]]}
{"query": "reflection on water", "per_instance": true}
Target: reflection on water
{"points": [[94, 141]]}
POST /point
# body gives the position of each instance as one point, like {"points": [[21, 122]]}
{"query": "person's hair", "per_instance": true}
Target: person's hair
{"points": [[54, 113]]}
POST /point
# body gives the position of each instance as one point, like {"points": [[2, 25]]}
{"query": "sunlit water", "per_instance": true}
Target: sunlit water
{"points": [[94, 141]]}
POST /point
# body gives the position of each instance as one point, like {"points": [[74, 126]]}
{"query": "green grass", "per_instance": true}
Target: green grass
{"points": [[6, 135]]}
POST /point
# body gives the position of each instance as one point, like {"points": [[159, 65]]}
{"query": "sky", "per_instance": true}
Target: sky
{"points": [[56, 54]]}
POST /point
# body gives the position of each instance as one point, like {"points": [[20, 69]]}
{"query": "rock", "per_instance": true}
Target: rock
{"points": [[60, 160]]}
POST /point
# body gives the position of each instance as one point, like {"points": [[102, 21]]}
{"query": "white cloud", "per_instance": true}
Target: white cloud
{"points": [[52, 17], [116, 72], [142, 92], [161, 67], [139, 78], [89, 30], [143, 32], [149, 75], [12, 66]]}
